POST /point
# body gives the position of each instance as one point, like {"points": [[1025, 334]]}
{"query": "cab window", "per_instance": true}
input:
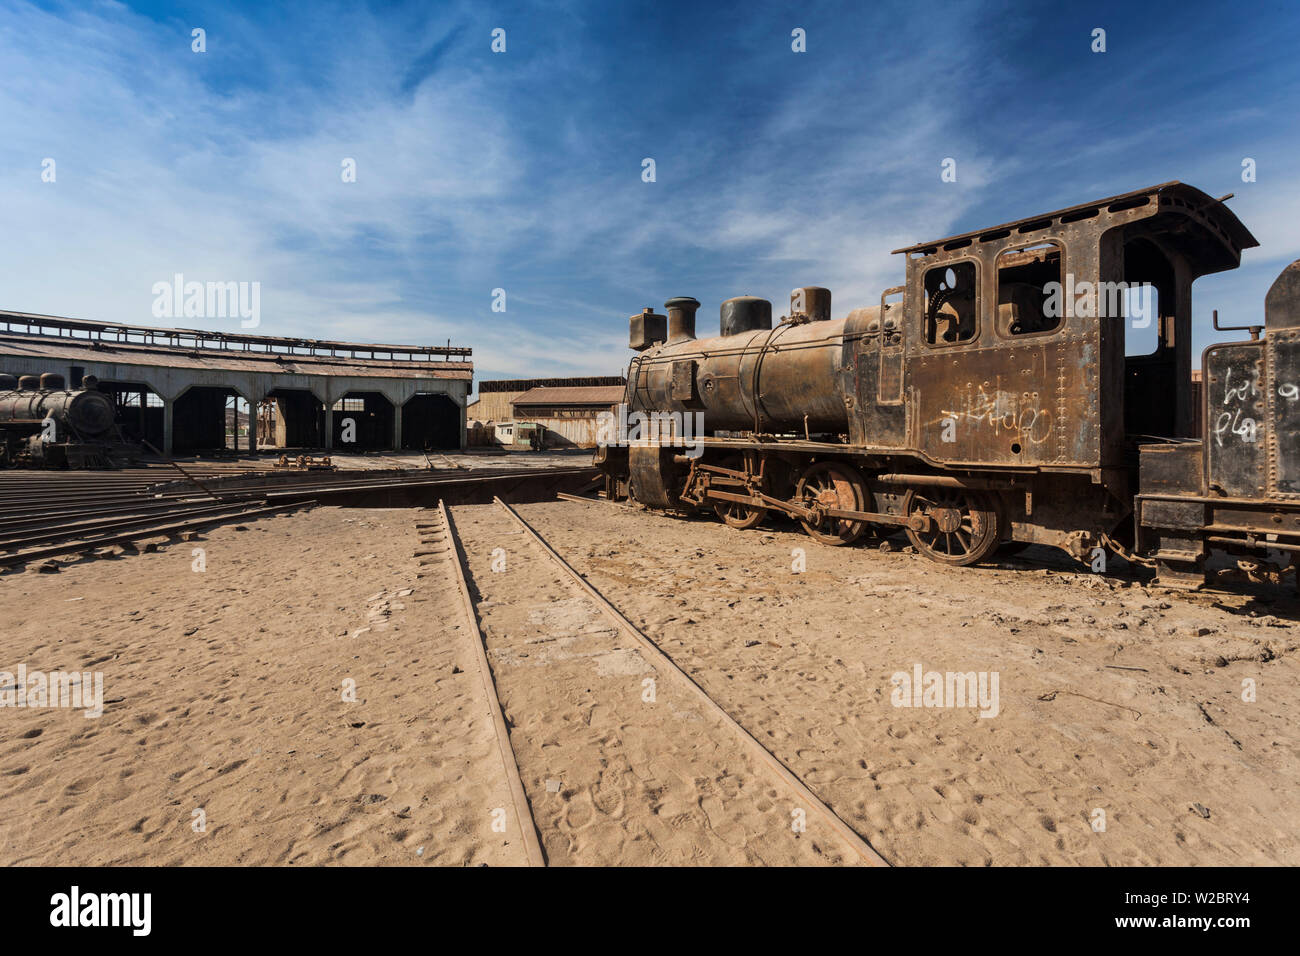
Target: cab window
{"points": [[1030, 297], [950, 299]]}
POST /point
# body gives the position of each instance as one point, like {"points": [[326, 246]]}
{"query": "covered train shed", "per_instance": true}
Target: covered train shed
{"points": [[186, 391]]}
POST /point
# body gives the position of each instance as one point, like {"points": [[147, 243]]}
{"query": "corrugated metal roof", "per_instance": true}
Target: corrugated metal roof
{"points": [[524, 384], [594, 395], [122, 333], [39, 348]]}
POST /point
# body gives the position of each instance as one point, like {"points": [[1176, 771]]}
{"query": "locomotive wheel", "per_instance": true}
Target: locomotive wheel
{"points": [[963, 525], [833, 485], [734, 513]]}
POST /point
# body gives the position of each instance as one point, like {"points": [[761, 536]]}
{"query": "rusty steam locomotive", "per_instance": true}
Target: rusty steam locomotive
{"points": [[988, 402], [43, 424]]}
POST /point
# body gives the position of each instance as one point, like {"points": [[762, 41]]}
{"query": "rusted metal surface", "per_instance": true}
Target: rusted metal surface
{"points": [[996, 377], [757, 380], [745, 313], [88, 412], [1235, 420], [305, 463], [1282, 440], [45, 425]]}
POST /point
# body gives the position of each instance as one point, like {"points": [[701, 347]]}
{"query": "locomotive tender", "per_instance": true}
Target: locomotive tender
{"points": [[988, 402], [45, 425]]}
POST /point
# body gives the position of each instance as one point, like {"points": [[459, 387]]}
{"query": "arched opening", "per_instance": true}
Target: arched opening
{"points": [[363, 421], [210, 418], [290, 418], [139, 411], [431, 422]]}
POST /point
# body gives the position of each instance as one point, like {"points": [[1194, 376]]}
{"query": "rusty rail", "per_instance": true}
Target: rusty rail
{"points": [[523, 811], [659, 658], [76, 543]]}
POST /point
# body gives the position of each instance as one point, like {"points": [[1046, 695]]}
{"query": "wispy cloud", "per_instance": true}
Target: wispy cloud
{"points": [[522, 170]]}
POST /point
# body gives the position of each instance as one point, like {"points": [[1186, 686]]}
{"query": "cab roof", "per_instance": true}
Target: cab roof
{"points": [[1166, 196]]}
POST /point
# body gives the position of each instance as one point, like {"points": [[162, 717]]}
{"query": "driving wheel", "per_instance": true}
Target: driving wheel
{"points": [[735, 514], [963, 526], [832, 485]]}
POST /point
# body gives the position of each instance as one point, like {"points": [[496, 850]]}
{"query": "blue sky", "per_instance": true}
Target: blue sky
{"points": [[522, 170]]}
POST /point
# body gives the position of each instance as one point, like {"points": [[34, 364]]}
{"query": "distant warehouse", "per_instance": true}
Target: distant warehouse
{"points": [[568, 408]]}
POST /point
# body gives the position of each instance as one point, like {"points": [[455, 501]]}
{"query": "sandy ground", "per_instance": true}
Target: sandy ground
{"points": [[805, 660], [621, 765], [225, 692]]}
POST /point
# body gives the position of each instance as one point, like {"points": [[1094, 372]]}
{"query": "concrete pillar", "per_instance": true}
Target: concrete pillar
{"points": [[168, 407], [253, 409], [397, 427], [462, 405], [329, 427]]}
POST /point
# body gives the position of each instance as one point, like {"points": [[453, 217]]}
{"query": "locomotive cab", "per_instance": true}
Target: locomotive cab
{"points": [[1016, 334], [1015, 352]]}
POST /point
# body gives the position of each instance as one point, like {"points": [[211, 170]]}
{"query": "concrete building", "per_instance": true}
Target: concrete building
{"points": [[175, 387]]}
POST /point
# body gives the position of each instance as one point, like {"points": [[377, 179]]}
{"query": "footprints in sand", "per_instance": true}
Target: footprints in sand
{"points": [[380, 608], [242, 718], [646, 779]]}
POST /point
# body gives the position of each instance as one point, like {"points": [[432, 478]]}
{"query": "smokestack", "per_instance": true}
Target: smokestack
{"points": [[812, 301], [681, 318]]}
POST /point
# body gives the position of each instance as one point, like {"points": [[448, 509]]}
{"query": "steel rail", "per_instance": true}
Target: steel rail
{"points": [[23, 557], [657, 656], [424, 483], [523, 810], [38, 520], [83, 530]]}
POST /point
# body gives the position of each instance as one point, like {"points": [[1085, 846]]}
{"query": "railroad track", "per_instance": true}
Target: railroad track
{"points": [[545, 651], [44, 515], [126, 532], [287, 485]]}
